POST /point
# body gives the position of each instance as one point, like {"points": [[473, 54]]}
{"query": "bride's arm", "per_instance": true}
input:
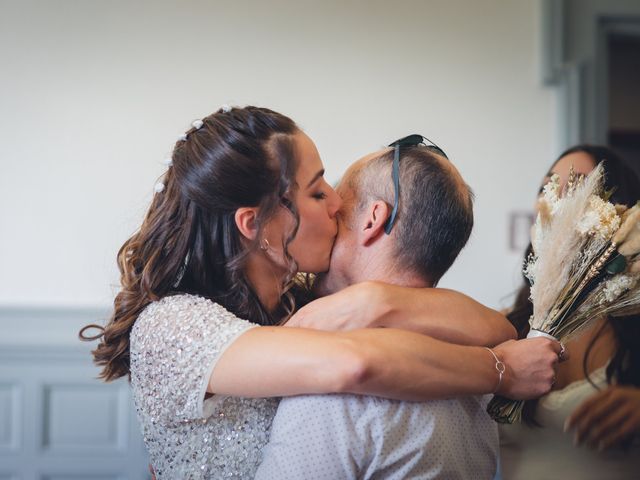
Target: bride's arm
{"points": [[441, 313], [276, 361]]}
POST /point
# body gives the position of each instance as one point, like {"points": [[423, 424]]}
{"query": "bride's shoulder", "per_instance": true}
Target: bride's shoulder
{"points": [[181, 311], [180, 302]]}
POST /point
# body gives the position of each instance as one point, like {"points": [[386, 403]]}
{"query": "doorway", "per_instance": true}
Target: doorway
{"points": [[623, 92]]}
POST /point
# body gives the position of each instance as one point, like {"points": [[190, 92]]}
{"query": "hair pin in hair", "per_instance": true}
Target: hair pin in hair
{"points": [[182, 138], [168, 161], [225, 108], [158, 187], [197, 124]]}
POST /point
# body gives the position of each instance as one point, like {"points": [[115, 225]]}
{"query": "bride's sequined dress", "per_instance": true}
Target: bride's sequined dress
{"points": [[175, 344]]}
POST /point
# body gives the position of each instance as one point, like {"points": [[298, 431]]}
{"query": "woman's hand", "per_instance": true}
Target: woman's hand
{"points": [[530, 367], [358, 306], [609, 418]]}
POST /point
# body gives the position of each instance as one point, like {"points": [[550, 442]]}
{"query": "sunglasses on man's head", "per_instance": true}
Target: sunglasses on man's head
{"points": [[408, 141]]}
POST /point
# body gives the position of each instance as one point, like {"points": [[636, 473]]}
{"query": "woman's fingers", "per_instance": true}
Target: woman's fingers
{"points": [[607, 426], [608, 418], [595, 414], [592, 416], [584, 409], [618, 436]]}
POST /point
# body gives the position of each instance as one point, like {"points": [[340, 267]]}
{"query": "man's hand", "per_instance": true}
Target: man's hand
{"points": [[358, 306], [609, 418], [531, 367]]}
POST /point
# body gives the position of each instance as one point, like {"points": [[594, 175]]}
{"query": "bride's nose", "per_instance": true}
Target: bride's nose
{"points": [[334, 204]]}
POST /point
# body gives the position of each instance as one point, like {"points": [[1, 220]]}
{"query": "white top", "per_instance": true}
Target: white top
{"points": [[175, 343], [548, 453], [334, 437]]}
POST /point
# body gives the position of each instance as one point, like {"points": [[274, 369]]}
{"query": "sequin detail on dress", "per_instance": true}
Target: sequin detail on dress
{"points": [[175, 344]]}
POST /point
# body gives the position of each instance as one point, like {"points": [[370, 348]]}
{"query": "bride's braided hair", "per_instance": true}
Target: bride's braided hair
{"points": [[188, 241]]}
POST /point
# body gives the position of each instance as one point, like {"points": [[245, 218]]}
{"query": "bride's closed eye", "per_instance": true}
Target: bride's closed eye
{"points": [[319, 195]]}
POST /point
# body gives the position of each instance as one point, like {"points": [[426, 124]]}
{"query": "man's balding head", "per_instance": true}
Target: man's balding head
{"points": [[435, 212]]}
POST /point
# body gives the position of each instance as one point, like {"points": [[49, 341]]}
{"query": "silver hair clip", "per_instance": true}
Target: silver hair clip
{"points": [[225, 108], [182, 138], [158, 187]]}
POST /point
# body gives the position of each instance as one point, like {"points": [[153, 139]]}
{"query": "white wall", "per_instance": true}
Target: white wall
{"points": [[93, 94]]}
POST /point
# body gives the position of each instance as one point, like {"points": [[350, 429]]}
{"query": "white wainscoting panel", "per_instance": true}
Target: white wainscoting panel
{"points": [[10, 406], [57, 420]]}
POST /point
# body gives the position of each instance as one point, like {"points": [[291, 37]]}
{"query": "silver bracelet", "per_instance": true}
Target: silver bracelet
{"points": [[500, 367]]}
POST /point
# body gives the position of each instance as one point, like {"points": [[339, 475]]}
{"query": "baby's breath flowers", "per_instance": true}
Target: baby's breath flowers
{"points": [[615, 287], [600, 218], [551, 191]]}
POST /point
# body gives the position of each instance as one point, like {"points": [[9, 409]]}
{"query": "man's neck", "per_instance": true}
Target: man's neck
{"points": [[384, 270]]}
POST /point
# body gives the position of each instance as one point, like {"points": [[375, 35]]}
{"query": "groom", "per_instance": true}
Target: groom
{"points": [[407, 214]]}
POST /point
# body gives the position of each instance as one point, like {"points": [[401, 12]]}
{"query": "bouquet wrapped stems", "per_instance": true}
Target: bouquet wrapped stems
{"points": [[505, 410]]}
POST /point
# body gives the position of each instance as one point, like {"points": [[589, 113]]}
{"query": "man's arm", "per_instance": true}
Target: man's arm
{"points": [[440, 313]]}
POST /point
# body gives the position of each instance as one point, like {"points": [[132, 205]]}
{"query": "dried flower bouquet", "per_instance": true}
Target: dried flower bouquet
{"points": [[585, 264]]}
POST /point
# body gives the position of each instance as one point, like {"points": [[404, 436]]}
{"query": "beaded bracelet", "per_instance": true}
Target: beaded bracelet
{"points": [[500, 367]]}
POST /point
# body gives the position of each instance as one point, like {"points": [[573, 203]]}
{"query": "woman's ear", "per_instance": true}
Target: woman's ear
{"points": [[245, 218], [374, 221]]}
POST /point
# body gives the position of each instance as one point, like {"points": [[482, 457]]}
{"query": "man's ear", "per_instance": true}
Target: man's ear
{"points": [[375, 219], [245, 218]]}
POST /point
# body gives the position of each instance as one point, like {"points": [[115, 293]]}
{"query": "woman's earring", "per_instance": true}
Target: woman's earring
{"points": [[264, 245]]}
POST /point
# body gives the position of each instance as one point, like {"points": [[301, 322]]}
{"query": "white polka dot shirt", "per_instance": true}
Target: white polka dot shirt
{"points": [[356, 437]]}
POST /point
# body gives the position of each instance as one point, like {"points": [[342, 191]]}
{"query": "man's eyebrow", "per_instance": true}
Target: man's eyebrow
{"points": [[318, 175]]}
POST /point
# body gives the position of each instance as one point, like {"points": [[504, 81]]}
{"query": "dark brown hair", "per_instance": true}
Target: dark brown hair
{"points": [[625, 363], [188, 241]]}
